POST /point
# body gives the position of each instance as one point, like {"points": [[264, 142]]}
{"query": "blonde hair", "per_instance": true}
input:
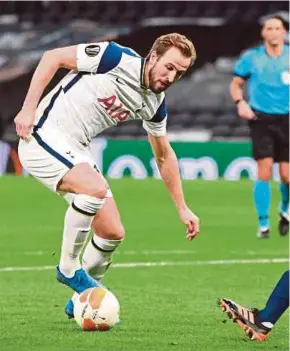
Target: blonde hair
{"points": [[179, 41]]}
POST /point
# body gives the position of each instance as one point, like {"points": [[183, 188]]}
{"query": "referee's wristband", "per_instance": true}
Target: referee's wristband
{"points": [[238, 101]]}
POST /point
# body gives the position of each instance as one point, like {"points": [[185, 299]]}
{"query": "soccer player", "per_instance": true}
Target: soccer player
{"points": [[266, 68], [108, 84], [258, 324]]}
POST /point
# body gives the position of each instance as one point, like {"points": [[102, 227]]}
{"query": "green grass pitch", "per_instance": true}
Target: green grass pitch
{"points": [[163, 308]]}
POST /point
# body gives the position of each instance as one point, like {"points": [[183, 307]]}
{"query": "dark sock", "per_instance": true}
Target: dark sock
{"points": [[278, 301]]}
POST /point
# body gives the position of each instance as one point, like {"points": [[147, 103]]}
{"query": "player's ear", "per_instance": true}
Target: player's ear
{"points": [[153, 57]]}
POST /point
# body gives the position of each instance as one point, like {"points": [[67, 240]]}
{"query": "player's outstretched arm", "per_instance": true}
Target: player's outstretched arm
{"points": [[50, 62], [168, 167]]}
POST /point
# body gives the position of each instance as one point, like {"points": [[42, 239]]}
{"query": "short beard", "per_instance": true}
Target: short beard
{"points": [[151, 82]]}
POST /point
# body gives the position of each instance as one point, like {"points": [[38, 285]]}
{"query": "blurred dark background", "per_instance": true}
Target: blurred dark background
{"points": [[199, 106]]}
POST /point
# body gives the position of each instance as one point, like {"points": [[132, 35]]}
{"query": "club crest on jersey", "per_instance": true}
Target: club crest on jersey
{"points": [[92, 50]]}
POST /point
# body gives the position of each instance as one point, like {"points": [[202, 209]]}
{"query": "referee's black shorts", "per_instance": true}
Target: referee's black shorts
{"points": [[270, 136]]}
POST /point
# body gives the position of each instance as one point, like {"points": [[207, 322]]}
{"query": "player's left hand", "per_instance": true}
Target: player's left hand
{"points": [[191, 221]]}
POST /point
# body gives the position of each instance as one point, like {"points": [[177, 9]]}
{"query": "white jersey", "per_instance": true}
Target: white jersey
{"points": [[107, 89]]}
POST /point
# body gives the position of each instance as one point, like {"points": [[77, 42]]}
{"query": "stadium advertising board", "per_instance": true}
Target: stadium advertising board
{"points": [[120, 158]]}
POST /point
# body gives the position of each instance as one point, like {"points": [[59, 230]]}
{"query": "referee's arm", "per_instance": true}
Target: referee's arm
{"points": [[236, 91]]}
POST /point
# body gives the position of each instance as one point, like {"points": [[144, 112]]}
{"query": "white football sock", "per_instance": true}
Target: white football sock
{"points": [[97, 256], [76, 229]]}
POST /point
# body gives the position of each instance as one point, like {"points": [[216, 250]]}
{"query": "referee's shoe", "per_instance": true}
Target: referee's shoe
{"points": [[263, 233], [283, 225]]}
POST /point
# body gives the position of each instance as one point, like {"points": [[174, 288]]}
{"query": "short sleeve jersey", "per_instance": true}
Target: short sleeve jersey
{"points": [[106, 89]]}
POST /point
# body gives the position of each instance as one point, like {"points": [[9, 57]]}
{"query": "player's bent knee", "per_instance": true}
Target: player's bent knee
{"points": [[99, 191], [88, 205], [115, 233], [118, 234]]}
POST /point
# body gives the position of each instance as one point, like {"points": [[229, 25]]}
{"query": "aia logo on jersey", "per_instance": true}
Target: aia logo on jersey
{"points": [[114, 108], [92, 50]]}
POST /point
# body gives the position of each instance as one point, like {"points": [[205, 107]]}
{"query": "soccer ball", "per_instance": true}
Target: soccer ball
{"points": [[96, 309]]}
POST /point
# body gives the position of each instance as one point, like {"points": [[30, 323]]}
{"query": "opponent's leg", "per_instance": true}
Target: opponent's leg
{"points": [[90, 189], [262, 195], [284, 204], [258, 324], [277, 303], [246, 318]]}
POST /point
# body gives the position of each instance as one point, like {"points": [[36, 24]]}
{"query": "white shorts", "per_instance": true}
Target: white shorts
{"points": [[49, 154]]}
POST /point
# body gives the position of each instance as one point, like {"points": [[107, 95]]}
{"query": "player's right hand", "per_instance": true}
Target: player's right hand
{"points": [[245, 111], [24, 123], [191, 221]]}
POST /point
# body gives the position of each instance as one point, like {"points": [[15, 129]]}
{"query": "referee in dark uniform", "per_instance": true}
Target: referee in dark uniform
{"points": [[266, 70]]}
